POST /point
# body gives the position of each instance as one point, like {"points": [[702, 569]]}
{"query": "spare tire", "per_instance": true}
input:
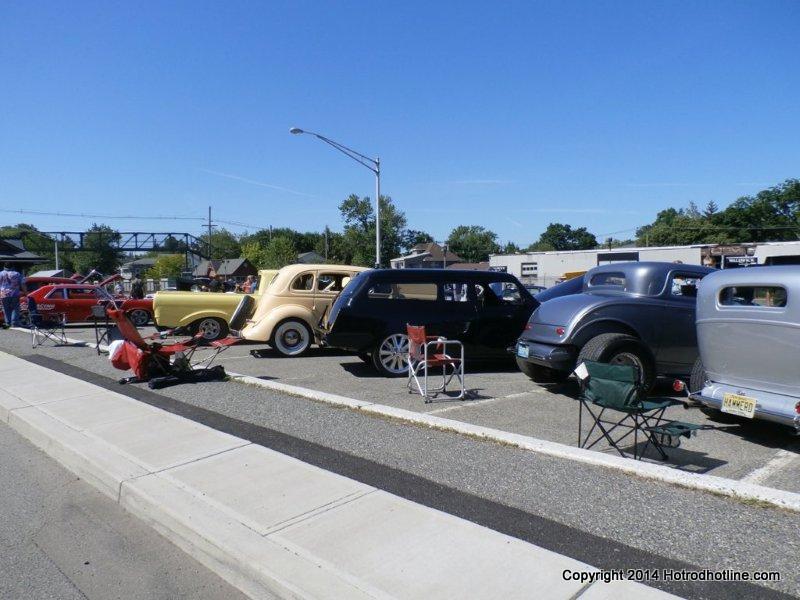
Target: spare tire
{"points": [[621, 349], [243, 310], [697, 380]]}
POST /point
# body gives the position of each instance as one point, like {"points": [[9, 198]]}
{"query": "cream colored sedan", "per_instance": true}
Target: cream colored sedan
{"points": [[288, 311]]}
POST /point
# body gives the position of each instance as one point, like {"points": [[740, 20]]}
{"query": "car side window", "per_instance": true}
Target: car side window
{"points": [[504, 293], [331, 282], [304, 282], [684, 285], [56, 294], [455, 292], [403, 291], [80, 293], [749, 295]]}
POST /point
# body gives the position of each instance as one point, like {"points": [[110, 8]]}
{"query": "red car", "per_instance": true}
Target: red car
{"points": [[75, 300], [33, 284]]}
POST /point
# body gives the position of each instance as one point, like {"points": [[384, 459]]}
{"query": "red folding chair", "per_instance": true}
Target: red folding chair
{"points": [[426, 352], [150, 359]]}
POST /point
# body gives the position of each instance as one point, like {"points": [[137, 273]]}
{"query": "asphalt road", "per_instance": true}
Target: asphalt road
{"points": [[602, 517], [61, 538], [501, 397]]}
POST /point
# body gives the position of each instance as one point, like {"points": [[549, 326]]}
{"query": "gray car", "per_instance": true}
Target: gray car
{"points": [[638, 313], [748, 330]]}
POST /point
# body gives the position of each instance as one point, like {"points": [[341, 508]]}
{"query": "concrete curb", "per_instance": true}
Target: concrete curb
{"points": [[740, 490]]}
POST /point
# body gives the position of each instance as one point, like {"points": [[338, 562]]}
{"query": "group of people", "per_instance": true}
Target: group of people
{"points": [[217, 284]]}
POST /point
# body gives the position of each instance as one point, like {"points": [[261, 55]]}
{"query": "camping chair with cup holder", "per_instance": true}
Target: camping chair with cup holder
{"points": [[162, 364], [616, 389], [46, 328], [430, 352]]}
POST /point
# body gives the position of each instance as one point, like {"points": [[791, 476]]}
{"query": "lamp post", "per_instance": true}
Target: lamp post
{"points": [[374, 165]]}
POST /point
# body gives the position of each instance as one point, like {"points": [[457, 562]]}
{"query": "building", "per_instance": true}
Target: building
{"points": [[426, 256], [310, 258], [13, 252], [234, 269], [139, 267], [548, 268], [465, 266]]}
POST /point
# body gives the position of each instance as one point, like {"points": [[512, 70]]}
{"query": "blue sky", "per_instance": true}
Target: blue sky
{"points": [[508, 115]]}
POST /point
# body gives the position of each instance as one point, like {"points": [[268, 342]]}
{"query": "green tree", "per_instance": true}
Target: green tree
{"points": [[412, 237], [167, 266], [358, 243], [559, 236], [256, 253], [473, 243], [511, 248], [224, 244], [100, 251], [279, 252]]}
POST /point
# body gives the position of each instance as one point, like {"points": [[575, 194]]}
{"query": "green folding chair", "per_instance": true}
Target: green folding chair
{"points": [[611, 388]]}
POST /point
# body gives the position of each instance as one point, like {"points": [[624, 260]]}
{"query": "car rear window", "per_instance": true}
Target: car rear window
{"points": [[402, 291], [753, 295], [608, 278]]}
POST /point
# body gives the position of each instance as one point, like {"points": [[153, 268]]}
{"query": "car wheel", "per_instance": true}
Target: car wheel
{"points": [[621, 349], [210, 328], [25, 320], [366, 357], [390, 355], [697, 380], [291, 338], [139, 317], [541, 374]]}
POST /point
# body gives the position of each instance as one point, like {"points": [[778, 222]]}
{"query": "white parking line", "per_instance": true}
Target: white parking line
{"points": [[781, 459], [473, 403]]}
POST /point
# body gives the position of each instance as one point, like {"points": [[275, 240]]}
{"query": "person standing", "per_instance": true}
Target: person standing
{"points": [[137, 288], [12, 284], [248, 285]]}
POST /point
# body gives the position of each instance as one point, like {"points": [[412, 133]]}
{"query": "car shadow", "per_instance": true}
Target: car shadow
{"points": [[314, 352]]}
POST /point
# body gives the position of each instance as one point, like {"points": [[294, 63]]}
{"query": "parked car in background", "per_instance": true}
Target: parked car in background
{"points": [[535, 289], [565, 288], [75, 300], [637, 313], [288, 312], [748, 331], [484, 310], [205, 313]]}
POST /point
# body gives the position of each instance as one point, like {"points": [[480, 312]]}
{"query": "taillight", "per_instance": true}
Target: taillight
{"points": [[560, 330], [528, 326], [797, 408], [678, 385]]}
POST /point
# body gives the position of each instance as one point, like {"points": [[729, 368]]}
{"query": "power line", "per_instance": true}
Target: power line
{"points": [[41, 213]]}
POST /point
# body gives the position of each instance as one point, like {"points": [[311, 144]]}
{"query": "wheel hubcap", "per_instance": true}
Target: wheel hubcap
{"points": [[209, 329], [393, 353], [292, 338]]}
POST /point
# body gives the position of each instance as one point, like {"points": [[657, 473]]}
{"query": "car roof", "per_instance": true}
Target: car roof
{"points": [[436, 275], [788, 275], [641, 276]]}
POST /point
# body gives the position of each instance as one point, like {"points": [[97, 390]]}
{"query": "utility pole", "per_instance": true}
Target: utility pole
{"points": [[326, 243], [209, 233], [55, 242]]}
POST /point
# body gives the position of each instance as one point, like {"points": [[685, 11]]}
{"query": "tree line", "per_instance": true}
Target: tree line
{"points": [[772, 214]]}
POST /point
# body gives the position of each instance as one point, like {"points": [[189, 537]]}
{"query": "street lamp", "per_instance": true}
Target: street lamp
{"points": [[374, 165]]}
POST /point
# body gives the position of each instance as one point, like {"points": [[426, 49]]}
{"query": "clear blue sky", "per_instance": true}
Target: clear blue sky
{"points": [[507, 115]]}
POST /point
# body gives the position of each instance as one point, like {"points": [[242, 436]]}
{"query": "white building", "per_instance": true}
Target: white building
{"points": [[547, 268]]}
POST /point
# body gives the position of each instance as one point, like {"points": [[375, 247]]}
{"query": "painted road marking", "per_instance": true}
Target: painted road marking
{"points": [[781, 459]]}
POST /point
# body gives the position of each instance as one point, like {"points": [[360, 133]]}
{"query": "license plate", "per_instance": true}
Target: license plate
{"points": [[738, 405], [522, 351]]}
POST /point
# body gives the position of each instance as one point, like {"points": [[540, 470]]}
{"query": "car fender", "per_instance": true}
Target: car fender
{"points": [[262, 329], [196, 315], [586, 331]]}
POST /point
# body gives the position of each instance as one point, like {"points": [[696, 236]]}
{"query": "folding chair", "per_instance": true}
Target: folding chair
{"points": [[421, 358], [164, 364], [46, 328], [616, 388]]}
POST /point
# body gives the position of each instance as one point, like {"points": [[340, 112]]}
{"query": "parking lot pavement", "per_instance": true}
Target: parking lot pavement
{"points": [[596, 515], [501, 397]]}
